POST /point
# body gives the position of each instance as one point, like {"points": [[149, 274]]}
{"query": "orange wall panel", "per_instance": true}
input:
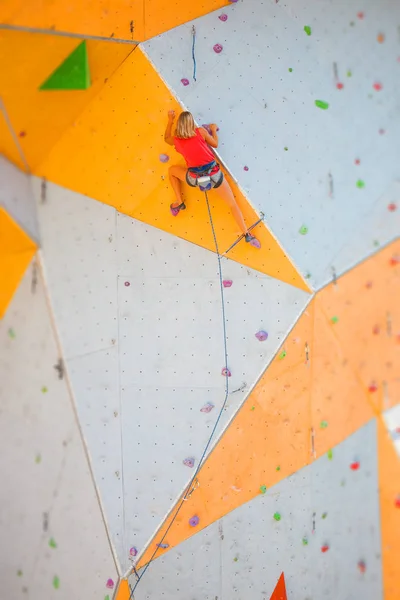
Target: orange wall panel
{"points": [[39, 118], [112, 155], [8, 147]]}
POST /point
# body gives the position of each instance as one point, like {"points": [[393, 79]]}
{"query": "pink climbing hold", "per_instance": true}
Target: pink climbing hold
{"points": [[217, 48], [261, 335], [355, 465], [189, 462], [339, 86], [164, 158], [245, 168], [360, 15], [392, 207], [207, 407], [194, 521], [255, 243], [357, 161], [382, 132], [226, 372], [133, 551], [377, 86], [223, 17], [227, 283], [127, 284], [110, 584], [185, 81]]}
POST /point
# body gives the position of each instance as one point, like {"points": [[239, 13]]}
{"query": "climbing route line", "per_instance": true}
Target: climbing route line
{"points": [[193, 55], [194, 482]]}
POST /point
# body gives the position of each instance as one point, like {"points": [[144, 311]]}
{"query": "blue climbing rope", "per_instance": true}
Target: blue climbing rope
{"points": [[193, 55], [189, 488]]}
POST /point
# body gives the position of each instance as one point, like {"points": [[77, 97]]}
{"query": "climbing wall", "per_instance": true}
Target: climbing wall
{"points": [[186, 424]]}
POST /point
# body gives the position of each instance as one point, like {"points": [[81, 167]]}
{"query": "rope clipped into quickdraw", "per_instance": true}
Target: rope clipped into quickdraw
{"points": [[194, 483], [193, 55]]}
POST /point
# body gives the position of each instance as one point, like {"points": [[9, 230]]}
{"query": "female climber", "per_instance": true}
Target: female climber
{"points": [[195, 143]]}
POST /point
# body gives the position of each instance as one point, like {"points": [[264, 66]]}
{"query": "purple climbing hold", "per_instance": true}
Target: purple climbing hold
{"points": [[227, 283], [207, 407], [110, 584], [194, 521], [208, 128], [254, 242], [189, 462], [226, 372], [261, 335], [223, 17], [164, 158], [163, 546], [133, 551], [217, 48], [127, 284], [185, 81], [233, 1], [245, 168]]}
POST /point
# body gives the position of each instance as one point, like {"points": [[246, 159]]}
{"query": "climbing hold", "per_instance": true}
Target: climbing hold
{"points": [[223, 17], [303, 230], [282, 355], [164, 158], [334, 319], [324, 548], [377, 86], [305, 541], [308, 275], [110, 584], [236, 559], [392, 207], [189, 462], [38, 459], [323, 424], [307, 29], [380, 38], [127, 284], [362, 567], [324, 515], [227, 283], [290, 70], [357, 161], [245, 168], [233, 1], [277, 516], [330, 454], [376, 330], [339, 85], [72, 74], [321, 104], [56, 582], [349, 73], [163, 546], [253, 408], [354, 466], [397, 502], [217, 48], [263, 489], [207, 408], [395, 260], [52, 543], [194, 521], [372, 387], [261, 335], [133, 551], [19, 573], [107, 597], [360, 15], [185, 81], [226, 372], [286, 148], [22, 134], [11, 333], [44, 390], [278, 468]]}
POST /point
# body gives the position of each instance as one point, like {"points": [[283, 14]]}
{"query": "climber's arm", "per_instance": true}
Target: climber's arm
{"points": [[212, 140], [168, 138]]}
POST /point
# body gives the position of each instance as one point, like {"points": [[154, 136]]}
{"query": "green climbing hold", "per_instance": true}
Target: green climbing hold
{"points": [[56, 582], [278, 468], [322, 104], [349, 73], [376, 243], [308, 275], [323, 424], [282, 355], [253, 408], [19, 573], [11, 333], [38, 459], [307, 29], [324, 515], [263, 489], [72, 74], [334, 319], [290, 70], [305, 541], [107, 597], [235, 559], [330, 454], [303, 230], [286, 148], [44, 390], [52, 543], [360, 184], [277, 516]]}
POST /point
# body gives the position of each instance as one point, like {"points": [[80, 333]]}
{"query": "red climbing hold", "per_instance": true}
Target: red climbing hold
{"points": [[362, 566], [355, 465], [395, 260], [279, 592], [372, 387], [397, 502], [392, 207], [377, 86], [22, 134], [325, 548], [185, 81], [376, 330], [360, 15], [339, 86], [357, 161]]}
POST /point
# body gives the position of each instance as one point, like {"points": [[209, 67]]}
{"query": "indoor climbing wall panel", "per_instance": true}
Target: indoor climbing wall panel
{"points": [[16, 252], [9, 145], [140, 320], [126, 20], [274, 76], [303, 527], [37, 117], [116, 153], [54, 541], [17, 198], [334, 372]]}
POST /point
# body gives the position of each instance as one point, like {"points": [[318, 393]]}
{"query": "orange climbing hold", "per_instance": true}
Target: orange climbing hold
{"points": [[279, 592]]}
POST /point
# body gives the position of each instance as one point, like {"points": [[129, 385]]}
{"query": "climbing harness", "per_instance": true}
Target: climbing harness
{"points": [[194, 483], [246, 236], [193, 56], [206, 177]]}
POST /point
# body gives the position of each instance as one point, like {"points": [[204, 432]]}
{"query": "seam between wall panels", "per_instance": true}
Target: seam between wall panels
{"points": [[130, 571], [14, 136], [81, 36], [42, 272]]}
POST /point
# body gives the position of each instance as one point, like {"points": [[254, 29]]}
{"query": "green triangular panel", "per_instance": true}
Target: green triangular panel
{"points": [[72, 74]]}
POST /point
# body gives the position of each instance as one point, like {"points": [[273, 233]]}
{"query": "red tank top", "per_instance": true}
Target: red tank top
{"points": [[194, 150]]}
